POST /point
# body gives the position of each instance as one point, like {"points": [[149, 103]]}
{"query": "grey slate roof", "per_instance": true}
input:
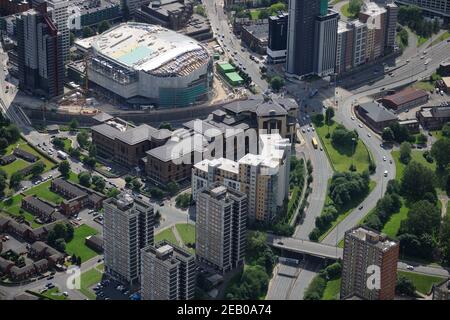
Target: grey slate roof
{"points": [[106, 130], [376, 112], [102, 117], [137, 134]]}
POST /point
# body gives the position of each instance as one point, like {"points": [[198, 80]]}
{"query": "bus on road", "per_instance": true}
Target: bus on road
{"points": [[314, 143]]}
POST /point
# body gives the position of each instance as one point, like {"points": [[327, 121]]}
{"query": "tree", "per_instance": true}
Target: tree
{"points": [[347, 186], [13, 133], [136, 185], [99, 183], [3, 143], [64, 168], [90, 161], [401, 133], [60, 231], [354, 7], [73, 125], [173, 188], [329, 114], [75, 153], [441, 152], [405, 152], [2, 185], [423, 218], [276, 83], [341, 137], [405, 286], [388, 135], [446, 130], [88, 32], [58, 143], [84, 178], [113, 193], [417, 180], [165, 125], [103, 26], [422, 139], [37, 169], [263, 14], [156, 193], [60, 245], [317, 119], [69, 232], [92, 151], [83, 139], [183, 200], [15, 179]]}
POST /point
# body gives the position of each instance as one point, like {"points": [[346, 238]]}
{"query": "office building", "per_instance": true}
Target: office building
{"points": [[351, 45], [374, 16], [391, 26], [85, 13], [168, 272], [277, 42], [431, 7], [263, 177], [220, 228], [58, 10], [325, 43], [369, 268], [301, 37], [9, 7], [127, 228], [134, 5], [40, 54]]}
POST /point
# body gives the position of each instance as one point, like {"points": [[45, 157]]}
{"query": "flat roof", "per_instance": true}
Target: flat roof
{"points": [[234, 76]]}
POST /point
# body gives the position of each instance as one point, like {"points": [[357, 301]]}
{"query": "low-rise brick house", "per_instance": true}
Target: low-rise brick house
{"points": [[434, 117], [406, 98], [76, 196], [25, 155], [375, 116], [38, 207], [7, 159]]}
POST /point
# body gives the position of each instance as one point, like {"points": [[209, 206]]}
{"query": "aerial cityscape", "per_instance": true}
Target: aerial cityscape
{"points": [[224, 150]]}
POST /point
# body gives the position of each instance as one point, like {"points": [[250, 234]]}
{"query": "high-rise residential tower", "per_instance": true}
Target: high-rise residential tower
{"points": [[40, 59], [369, 265], [128, 227], [325, 43], [167, 272], [276, 47], [220, 228], [58, 10]]}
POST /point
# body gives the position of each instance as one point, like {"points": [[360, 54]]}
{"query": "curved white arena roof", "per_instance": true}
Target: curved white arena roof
{"points": [[151, 48]]}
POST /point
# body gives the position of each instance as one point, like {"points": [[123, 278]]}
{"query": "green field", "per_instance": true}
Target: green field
{"points": [[15, 166], [88, 279], [54, 294], [166, 234], [48, 164], [424, 85], [416, 155], [346, 210], [345, 12], [43, 191], [441, 38], [393, 225], [332, 290], [421, 40], [342, 158], [422, 282], [77, 246], [186, 232], [254, 14], [12, 208]]}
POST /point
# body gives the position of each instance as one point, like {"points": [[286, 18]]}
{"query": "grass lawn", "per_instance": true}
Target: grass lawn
{"points": [[48, 164], [441, 38], [14, 166], [342, 158], [416, 155], [76, 245], [424, 85], [186, 232], [12, 207], [43, 191], [345, 12], [421, 40], [166, 234], [254, 14], [422, 282], [346, 210], [88, 279], [54, 294], [332, 290], [393, 225]]}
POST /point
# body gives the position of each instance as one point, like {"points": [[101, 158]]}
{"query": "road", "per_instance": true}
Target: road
{"points": [[230, 44]]}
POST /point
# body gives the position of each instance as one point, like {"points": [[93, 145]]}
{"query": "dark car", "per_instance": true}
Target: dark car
{"points": [[361, 207]]}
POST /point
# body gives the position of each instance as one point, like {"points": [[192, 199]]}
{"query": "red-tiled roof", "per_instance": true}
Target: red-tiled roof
{"points": [[405, 96]]}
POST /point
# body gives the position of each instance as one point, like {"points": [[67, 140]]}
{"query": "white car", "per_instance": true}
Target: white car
{"points": [[385, 173], [360, 125], [409, 267], [303, 130], [307, 129], [352, 117], [369, 135], [312, 128], [384, 158]]}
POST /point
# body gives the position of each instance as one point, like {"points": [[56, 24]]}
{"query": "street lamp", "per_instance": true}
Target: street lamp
{"points": [[353, 148]]}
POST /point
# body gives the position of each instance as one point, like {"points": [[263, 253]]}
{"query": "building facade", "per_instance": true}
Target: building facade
{"points": [[168, 272], [128, 227], [221, 227], [40, 54], [326, 40], [434, 7], [277, 41], [301, 37], [369, 268], [58, 10]]}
